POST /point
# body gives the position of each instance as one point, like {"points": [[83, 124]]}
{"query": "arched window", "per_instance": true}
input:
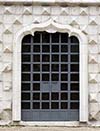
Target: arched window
{"points": [[50, 77]]}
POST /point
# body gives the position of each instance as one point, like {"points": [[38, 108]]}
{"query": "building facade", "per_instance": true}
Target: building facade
{"points": [[50, 62]]}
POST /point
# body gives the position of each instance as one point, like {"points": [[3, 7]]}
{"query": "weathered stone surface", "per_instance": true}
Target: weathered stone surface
{"points": [[16, 17]]}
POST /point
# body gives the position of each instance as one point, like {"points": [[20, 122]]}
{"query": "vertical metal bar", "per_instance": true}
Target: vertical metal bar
{"points": [[69, 74], [50, 64], [31, 93], [60, 70], [40, 70]]}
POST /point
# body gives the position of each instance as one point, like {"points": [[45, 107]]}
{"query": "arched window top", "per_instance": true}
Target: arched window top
{"points": [[74, 39], [46, 37]]}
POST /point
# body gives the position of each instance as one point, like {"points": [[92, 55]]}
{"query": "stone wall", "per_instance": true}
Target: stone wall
{"points": [[14, 17]]}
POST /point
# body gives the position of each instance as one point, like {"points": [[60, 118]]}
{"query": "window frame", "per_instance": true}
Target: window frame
{"points": [[51, 27]]}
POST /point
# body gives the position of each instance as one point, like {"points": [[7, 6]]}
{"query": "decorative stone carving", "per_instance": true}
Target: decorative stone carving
{"points": [[83, 11], [92, 42], [6, 115], [46, 11], [12, 22], [7, 86], [27, 10], [93, 20], [8, 10], [7, 48], [8, 29], [93, 59], [64, 11], [93, 98], [74, 21], [17, 21], [7, 68], [93, 78]]}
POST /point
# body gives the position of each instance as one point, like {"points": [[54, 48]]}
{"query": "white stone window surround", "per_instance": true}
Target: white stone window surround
{"points": [[52, 27]]}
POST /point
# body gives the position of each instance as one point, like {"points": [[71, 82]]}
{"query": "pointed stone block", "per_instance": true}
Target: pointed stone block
{"points": [[93, 78], [83, 12], [6, 86], [7, 48], [37, 20], [93, 98], [93, 59], [64, 11], [7, 10], [73, 23], [27, 11], [8, 29], [46, 11], [7, 68], [17, 22], [93, 20]]}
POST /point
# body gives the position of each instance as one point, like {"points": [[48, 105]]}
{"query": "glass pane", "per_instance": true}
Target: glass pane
{"points": [[64, 105], [55, 67], [45, 105], [64, 77], [74, 77], [27, 39], [36, 96], [64, 48], [45, 48], [36, 77], [45, 96], [64, 86], [55, 58], [64, 67], [36, 38], [45, 77], [74, 58], [45, 37], [36, 58], [36, 48], [55, 37], [25, 77], [74, 68], [26, 58], [45, 67], [64, 96], [25, 105], [55, 96], [74, 39], [74, 96], [36, 86], [26, 48], [55, 105], [55, 48], [74, 48], [64, 58], [74, 105], [25, 86], [25, 96], [55, 77], [64, 38], [36, 105], [36, 67], [26, 68], [45, 58], [75, 86]]}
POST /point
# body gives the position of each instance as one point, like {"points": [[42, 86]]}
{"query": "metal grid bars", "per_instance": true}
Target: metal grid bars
{"points": [[50, 77]]}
